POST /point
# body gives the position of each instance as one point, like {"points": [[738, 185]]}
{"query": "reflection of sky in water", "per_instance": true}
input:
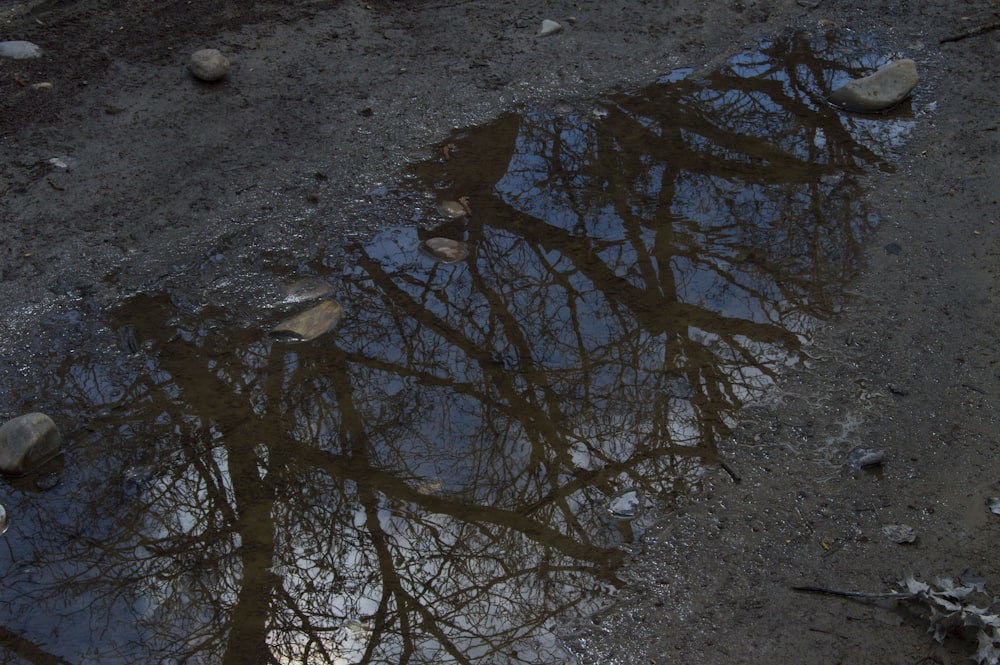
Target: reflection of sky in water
{"points": [[431, 481]]}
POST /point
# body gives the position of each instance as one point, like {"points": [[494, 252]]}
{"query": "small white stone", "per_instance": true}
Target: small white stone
{"points": [[208, 64], [19, 50], [549, 27]]}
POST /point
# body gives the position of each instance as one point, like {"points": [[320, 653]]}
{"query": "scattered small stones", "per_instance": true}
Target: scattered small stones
{"points": [[900, 533], [859, 458], [549, 27], [208, 64], [878, 92], [994, 504], [19, 50], [445, 250], [311, 323], [625, 505], [27, 441]]}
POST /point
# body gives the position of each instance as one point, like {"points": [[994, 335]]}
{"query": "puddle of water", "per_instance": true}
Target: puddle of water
{"points": [[468, 456]]}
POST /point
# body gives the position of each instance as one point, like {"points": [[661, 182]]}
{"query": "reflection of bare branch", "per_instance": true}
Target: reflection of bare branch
{"points": [[391, 485]]}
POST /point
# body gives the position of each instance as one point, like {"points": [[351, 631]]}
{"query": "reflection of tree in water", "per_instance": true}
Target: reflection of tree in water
{"points": [[430, 482]]}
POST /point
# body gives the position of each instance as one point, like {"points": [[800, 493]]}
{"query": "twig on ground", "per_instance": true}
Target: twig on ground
{"points": [[891, 595], [974, 32]]}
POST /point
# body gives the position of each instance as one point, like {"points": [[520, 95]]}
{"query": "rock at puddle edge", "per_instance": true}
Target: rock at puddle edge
{"points": [[26, 442], [879, 92]]}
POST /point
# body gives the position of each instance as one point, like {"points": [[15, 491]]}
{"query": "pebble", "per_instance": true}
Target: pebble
{"points": [[452, 209], [208, 64], [306, 288], [26, 441], [311, 323], [19, 50], [994, 504], [3, 519], [445, 250], [625, 505], [549, 27], [878, 92], [860, 458], [900, 533]]}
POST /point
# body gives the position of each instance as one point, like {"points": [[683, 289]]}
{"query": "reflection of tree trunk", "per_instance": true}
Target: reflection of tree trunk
{"points": [[27, 650], [253, 496], [254, 499]]}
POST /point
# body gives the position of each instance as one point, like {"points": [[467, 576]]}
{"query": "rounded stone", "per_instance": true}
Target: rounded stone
{"points": [[19, 50], [878, 92], [26, 442], [445, 250], [208, 64], [549, 27]]}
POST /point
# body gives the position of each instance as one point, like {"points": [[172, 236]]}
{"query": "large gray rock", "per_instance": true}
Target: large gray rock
{"points": [[208, 64], [878, 92], [27, 441], [19, 50]]}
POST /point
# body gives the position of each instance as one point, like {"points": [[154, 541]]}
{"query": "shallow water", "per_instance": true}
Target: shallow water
{"points": [[471, 452]]}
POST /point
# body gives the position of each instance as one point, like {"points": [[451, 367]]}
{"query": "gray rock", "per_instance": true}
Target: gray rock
{"points": [[27, 441], [3, 519], [549, 27], [903, 534], [860, 458], [208, 64], [19, 50], [878, 92]]}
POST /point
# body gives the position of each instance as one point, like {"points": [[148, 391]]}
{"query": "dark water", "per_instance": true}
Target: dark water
{"points": [[469, 454]]}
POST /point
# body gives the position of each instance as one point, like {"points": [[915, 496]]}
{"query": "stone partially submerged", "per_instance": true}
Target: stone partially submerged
{"points": [[26, 442], [311, 323], [879, 92], [445, 250]]}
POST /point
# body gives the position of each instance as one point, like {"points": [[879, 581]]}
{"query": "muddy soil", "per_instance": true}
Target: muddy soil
{"points": [[326, 100]]}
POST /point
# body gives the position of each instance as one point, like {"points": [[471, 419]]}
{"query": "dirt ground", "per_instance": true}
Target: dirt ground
{"points": [[328, 99]]}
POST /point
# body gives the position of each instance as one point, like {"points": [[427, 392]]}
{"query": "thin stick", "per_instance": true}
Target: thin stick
{"points": [[728, 469], [891, 595], [983, 29]]}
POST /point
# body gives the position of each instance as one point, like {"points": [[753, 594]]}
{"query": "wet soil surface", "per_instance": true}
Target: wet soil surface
{"points": [[139, 271]]}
